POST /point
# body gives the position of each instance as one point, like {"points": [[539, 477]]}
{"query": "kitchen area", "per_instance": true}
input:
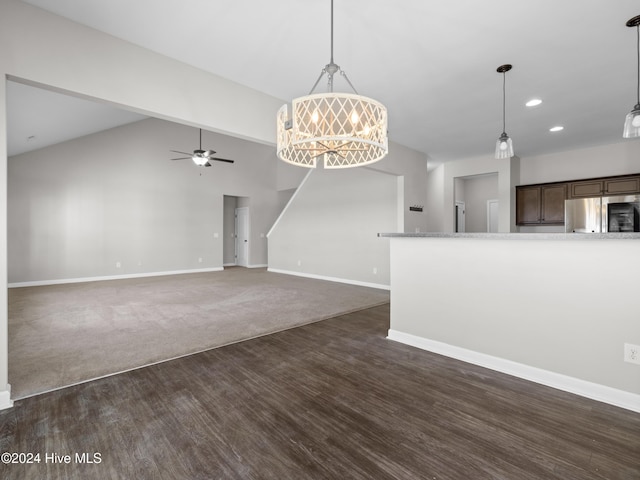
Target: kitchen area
{"points": [[553, 302], [597, 205]]}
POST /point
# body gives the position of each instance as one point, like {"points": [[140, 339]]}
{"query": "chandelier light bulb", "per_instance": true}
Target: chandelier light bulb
{"points": [[503, 145], [354, 118], [636, 121]]}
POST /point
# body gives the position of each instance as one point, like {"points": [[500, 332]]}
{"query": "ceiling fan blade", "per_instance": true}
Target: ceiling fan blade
{"points": [[221, 160], [182, 158], [182, 153], [207, 164], [208, 153]]}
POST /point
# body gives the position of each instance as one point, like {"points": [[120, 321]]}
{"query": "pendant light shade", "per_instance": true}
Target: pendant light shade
{"points": [[342, 129], [504, 145], [632, 121]]}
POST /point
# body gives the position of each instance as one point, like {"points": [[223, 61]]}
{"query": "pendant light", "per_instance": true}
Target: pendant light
{"points": [[632, 122], [504, 145], [343, 129]]}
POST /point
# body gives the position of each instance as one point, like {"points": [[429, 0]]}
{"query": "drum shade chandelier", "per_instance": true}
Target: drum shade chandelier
{"points": [[632, 121], [343, 129], [504, 145]]}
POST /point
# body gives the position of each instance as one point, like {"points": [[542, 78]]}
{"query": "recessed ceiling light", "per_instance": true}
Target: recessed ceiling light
{"points": [[556, 129], [533, 102]]}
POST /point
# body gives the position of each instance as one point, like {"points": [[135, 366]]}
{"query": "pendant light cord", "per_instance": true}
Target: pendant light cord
{"points": [[504, 97], [638, 52]]}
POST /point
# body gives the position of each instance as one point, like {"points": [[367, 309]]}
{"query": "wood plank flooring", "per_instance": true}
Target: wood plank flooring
{"points": [[330, 400]]}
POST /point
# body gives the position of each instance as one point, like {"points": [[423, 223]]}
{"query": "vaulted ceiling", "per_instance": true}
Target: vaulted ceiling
{"points": [[433, 64]]}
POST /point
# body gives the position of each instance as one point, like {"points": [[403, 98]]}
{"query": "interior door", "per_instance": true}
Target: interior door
{"points": [[242, 236], [459, 226], [493, 213]]}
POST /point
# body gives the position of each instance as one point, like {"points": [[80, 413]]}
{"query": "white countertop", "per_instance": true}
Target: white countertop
{"points": [[519, 236]]}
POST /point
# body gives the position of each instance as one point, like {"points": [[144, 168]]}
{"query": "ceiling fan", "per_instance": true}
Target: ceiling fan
{"points": [[201, 157]]}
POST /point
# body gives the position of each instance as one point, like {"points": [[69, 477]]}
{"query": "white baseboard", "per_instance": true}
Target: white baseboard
{"points": [[594, 391], [5, 398], [258, 266], [61, 281], [331, 279]]}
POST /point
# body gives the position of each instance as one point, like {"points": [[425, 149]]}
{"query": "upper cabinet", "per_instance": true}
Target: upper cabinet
{"points": [[605, 186], [586, 188], [622, 185], [540, 204]]}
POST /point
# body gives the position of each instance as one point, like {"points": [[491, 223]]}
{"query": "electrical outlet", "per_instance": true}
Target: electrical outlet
{"points": [[631, 353]]}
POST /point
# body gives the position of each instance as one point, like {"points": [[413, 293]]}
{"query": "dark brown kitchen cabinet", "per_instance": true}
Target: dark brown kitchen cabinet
{"points": [[528, 204], [540, 204], [622, 186], [553, 197], [599, 187], [586, 188]]}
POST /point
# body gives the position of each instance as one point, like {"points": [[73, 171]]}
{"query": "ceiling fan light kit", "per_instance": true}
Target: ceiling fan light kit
{"points": [[632, 121], [504, 144], [344, 130], [201, 157]]}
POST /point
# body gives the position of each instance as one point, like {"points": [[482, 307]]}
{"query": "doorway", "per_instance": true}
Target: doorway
{"points": [[242, 236], [459, 224]]}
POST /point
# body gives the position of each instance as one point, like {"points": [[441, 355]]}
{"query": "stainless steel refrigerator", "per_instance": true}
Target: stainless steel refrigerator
{"points": [[602, 214]]}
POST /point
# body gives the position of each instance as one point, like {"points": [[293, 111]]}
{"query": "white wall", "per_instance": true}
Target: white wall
{"points": [[230, 204], [412, 166], [435, 207], [616, 159], [330, 228], [79, 207], [555, 311], [332, 221], [5, 388]]}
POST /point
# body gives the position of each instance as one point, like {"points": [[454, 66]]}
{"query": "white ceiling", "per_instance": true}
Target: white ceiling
{"points": [[39, 118], [432, 63]]}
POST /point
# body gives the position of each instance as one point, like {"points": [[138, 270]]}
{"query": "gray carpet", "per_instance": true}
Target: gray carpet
{"points": [[60, 335]]}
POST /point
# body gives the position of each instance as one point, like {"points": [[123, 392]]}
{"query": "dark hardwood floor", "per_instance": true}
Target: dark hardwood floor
{"points": [[330, 400]]}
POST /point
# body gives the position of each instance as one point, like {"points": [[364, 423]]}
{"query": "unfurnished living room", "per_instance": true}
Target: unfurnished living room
{"points": [[320, 239]]}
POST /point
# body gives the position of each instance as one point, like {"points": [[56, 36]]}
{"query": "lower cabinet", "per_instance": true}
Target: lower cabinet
{"points": [[540, 204]]}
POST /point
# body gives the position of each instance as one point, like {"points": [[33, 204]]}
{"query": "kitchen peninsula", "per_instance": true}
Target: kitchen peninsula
{"points": [[556, 309]]}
